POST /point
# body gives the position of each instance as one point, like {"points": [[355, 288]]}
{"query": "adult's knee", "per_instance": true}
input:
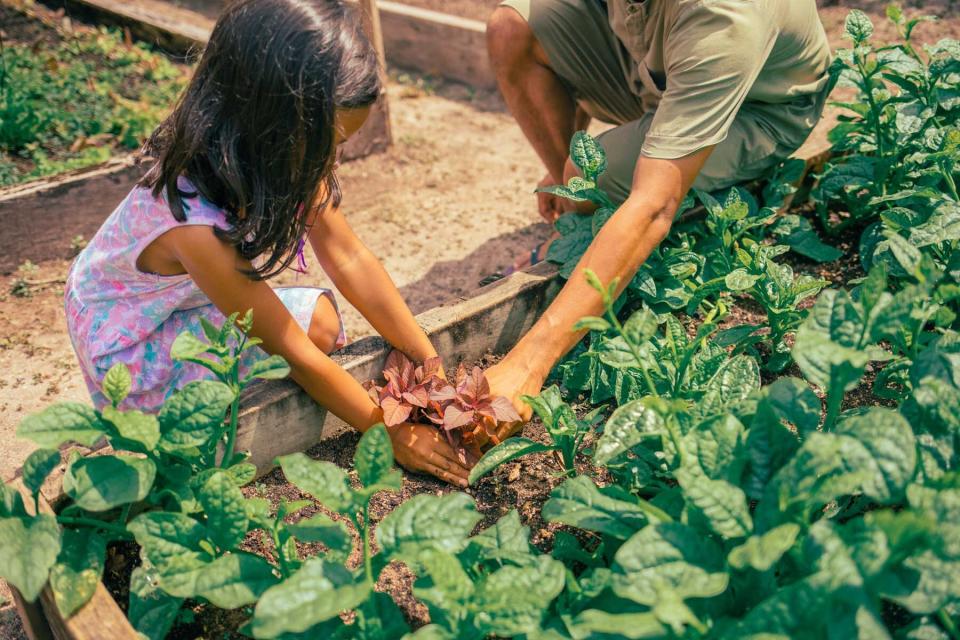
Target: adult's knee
{"points": [[325, 325], [510, 40]]}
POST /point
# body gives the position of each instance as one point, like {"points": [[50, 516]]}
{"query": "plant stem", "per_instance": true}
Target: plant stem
{"points": [[367, 558], [231, 431], [634, 350], [114, 528], [834, 402], [947, 622]]}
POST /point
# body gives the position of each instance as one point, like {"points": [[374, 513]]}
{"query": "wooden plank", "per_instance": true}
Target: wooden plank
{"points": [[436, 43], [40, 219], [100, 618], [375, 135]]}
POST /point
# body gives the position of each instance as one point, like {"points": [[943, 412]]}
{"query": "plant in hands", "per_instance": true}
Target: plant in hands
{"points": [[464, 410]]}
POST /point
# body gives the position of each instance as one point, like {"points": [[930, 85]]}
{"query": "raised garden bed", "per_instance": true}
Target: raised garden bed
{"points": [[793, 473], [279, 419]]}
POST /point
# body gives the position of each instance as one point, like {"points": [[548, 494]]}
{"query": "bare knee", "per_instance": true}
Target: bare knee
{"points": [[511, 42], [325, 325]]}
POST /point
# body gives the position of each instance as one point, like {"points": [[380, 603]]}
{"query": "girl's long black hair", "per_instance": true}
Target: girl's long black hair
{"points": [[254, 130]]}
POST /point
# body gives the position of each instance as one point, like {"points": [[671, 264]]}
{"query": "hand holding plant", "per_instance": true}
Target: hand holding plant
{"points": [[465, 412]]}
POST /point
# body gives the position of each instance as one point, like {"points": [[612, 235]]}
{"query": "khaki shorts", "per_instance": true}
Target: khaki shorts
{"points": [[594, 65]]}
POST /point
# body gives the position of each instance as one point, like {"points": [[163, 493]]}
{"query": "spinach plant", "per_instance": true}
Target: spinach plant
{"points": [[566, 431]]}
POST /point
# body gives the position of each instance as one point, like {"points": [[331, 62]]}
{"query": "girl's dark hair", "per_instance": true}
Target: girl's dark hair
{"points": [[254, 130]]}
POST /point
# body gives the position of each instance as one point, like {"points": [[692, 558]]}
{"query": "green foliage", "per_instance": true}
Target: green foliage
{"points": [[76, 102]]}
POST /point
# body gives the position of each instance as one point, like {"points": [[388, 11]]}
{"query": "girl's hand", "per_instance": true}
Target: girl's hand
{"points": [[420, 447]]}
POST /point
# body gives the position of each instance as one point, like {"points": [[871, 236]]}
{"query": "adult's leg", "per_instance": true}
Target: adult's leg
{"points": [[558, 63], [542, 105]]}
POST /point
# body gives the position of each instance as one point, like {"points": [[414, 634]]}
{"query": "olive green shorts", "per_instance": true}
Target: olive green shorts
{"points": [[594, 65]]}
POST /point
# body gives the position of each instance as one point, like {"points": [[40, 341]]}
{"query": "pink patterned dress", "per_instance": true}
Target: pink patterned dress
{"points": [[117, 313]]}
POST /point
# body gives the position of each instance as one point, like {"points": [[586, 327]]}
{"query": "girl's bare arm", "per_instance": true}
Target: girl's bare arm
{"points": [[362, 280]]}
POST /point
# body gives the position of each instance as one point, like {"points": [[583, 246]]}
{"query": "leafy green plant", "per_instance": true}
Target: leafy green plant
{"points": [[165, 464], [565, 429], [896, 163], [73, 104]]}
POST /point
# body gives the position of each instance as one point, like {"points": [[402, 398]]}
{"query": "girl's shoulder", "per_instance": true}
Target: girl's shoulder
{"points": [[142, 205]]}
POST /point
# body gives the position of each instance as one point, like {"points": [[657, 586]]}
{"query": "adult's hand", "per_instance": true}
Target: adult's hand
{"points": [[512, 381], [422, 448], [550, 206]]}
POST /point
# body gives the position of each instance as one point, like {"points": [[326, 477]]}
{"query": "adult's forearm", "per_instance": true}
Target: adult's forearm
{"points": [[623, 244]]}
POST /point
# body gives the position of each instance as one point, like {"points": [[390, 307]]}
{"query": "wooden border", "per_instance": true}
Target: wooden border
{"points": [[426, 41]]}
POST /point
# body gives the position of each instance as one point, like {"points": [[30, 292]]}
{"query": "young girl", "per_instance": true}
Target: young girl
{"points": [[244, 178]]}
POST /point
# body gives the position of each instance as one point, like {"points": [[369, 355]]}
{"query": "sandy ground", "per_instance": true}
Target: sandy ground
{"points": [[449, 203]]}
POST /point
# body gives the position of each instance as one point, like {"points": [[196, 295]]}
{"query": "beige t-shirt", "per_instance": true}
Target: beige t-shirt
{"points": [[697, 61]]}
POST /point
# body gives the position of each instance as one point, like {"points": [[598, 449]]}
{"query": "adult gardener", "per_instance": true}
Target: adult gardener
{"points": [[703, 93]]}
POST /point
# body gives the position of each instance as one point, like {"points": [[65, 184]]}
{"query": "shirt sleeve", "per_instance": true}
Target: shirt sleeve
{"points": [[712, 56]]}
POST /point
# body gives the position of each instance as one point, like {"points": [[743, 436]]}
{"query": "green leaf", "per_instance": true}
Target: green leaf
{"points": [[444, 587], [62, 422], [272, 368], [151, 612], [193, 416], [135, 426], [579, 503], [509, 449], [186, 346], [331, 533], [507, 539], [640, 326], [668, 558], [736, 379], [38, 466], [235, 579], [626, 428], [11, 503], [760, 553], [116, 383], [75, 576], [740, 280], [594, 623], [319, 591], [225, 508], [325, 481], [374, 459], [28, 552], [512, 601], [428, 522], [796, 232], [164, 536], [241, 473], [587, 154], [592, 323], [892, 448], [722, 504], [858, 26], [100, 483]]}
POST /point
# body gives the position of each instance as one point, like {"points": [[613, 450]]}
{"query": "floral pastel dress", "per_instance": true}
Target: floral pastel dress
{"points": [[117, 313]]}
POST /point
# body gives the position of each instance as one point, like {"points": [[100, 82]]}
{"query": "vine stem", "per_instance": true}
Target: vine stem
{"points": [[834, 402], [231, 431]]}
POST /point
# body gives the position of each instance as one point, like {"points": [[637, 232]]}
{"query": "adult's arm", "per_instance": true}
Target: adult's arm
{"points": [[624, 243]]}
